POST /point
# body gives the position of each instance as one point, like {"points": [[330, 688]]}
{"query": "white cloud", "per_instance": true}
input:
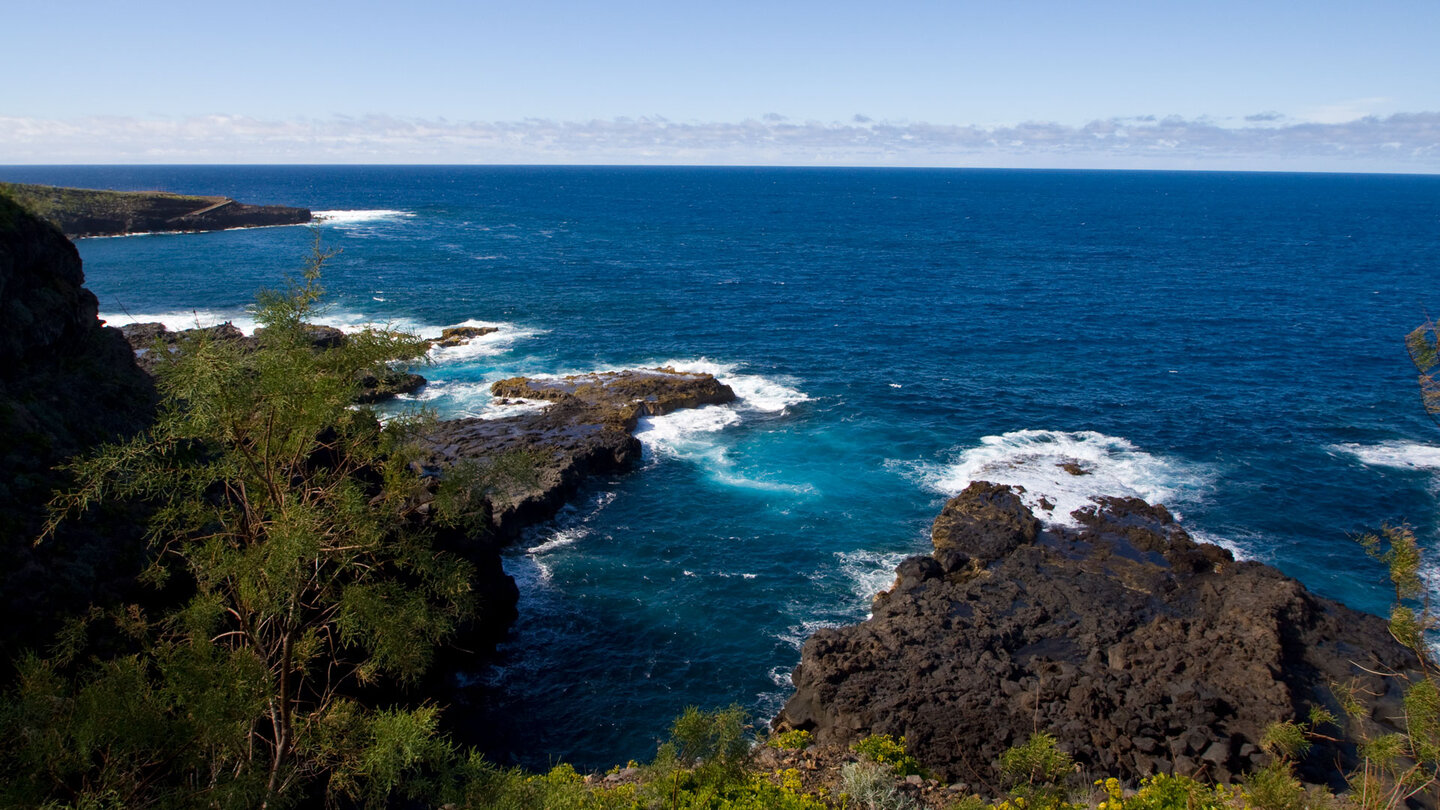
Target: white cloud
{"points": [[1407, 142], [1343, 111]]}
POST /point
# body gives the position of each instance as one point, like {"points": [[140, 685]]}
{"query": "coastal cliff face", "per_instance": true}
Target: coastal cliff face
{"points": [[66, 383], [1140, 649], [81, 212]]}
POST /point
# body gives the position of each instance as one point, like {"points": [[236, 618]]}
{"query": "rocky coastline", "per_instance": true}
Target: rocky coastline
{"points": [[81, 212], [586, 428], [68, 382], [1141, 650]]}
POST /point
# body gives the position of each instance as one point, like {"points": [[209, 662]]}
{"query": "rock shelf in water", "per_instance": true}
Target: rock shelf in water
{"points": [[1140, 649], [588, 428]]}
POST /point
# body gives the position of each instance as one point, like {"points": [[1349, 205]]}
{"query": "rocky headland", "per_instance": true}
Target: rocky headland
{"points": [[1141, 650], [81, 212]]}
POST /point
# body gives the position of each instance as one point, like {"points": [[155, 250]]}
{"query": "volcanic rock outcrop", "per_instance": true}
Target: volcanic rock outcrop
{"points": [[66, 384], [1140, 649], [460, 335], [587, 427]]}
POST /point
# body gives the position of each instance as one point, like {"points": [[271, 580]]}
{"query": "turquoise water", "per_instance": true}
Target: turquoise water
{"points": [[1227, 344]]}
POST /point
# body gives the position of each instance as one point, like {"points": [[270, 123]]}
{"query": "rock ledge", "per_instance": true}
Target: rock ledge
{"points": [[1140, 649]]}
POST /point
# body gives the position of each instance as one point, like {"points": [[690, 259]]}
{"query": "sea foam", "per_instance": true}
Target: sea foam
{"points": [[754, 392], [1045, 463], [495, 343], [869, 572], [179, 320], [682, 432], [1400, 454], [343, 218], [692, 433]]}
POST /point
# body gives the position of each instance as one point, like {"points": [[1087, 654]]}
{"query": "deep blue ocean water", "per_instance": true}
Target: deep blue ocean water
{"points": [[1227, 344]]}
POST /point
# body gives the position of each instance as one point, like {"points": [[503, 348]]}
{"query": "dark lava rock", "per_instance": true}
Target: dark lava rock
{"points": [[149, 340], [67, 383], [587, 429], [626, 395], [988, 523], [386, 385], [1140, 649], [460, 335], [321, 337]]}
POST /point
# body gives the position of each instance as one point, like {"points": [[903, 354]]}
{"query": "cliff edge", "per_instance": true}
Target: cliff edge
{"points": [[81, 212], [67, 382]]}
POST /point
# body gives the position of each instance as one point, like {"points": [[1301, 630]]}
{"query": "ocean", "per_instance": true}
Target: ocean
{"points": [[1227, 344]]}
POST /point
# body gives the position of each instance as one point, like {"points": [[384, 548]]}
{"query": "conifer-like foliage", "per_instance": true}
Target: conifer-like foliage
{"points": [[292, 575], [1397, 766]]}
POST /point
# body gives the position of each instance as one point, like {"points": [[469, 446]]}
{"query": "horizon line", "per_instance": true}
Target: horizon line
{"points": [[741, 166]]}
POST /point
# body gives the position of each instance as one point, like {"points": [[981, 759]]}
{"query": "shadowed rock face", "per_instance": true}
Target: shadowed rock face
{"points": [[67, 382], [587, 429], [1139, 649]]}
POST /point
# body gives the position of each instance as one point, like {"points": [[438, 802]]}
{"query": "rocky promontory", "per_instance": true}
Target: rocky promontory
{"points": [[81, 212], [1138, 648], [586, 427]]}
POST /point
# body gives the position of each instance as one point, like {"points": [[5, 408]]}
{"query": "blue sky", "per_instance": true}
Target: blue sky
{"points": [[1317, 85]]}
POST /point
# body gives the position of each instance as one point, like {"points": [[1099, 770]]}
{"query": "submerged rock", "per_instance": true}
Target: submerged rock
{"points": [[1140, 649]]}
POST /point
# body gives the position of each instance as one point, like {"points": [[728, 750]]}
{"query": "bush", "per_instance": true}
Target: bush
{"points": [[884, 749], [794, 740], [285, 576], [872, 786]]}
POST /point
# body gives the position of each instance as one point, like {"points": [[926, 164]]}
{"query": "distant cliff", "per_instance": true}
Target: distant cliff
{"points": [[91, 212]]}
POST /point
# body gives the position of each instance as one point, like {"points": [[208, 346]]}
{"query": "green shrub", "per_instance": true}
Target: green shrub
{"points": [[1166, 792], [794, 740], [1037, 771], [884, 749]]}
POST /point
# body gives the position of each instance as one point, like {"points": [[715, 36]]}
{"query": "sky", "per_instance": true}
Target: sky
{"points": [[1312, 86]]}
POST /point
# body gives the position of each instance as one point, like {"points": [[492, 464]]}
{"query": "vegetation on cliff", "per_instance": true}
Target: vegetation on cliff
{"points": [[292, 578], [95, 212]]}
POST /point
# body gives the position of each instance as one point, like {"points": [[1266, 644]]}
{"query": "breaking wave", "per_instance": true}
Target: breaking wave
{"points": [[1062, 472]]}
